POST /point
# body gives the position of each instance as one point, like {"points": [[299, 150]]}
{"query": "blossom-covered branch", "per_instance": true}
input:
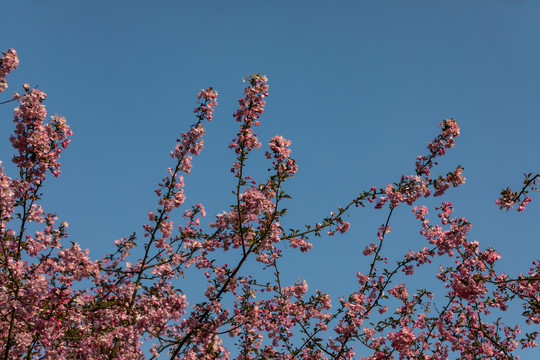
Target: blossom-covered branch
{"points": [[509, 198], [57, 303]]}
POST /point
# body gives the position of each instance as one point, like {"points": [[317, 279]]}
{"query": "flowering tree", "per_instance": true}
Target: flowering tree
{"points": [[57, 303]]}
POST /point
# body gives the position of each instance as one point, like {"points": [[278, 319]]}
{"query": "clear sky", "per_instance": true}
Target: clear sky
{"points": [[359, 87]]}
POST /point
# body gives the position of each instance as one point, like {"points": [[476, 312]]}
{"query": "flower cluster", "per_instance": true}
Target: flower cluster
{"points": [[207, 106], [341, 228], [281, 153], [251, 108], [446, 140], [509, 198], [8, 63], [39, 144], [7, 198]]}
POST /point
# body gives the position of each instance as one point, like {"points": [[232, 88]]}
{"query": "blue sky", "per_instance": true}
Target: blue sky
{"points": [[359, 87]]}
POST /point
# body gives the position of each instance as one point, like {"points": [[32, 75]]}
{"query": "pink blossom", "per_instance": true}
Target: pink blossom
{"points": [[8, 63], [342, 228], [399, 291], [304, 245], [369, 249], [524, 203]]}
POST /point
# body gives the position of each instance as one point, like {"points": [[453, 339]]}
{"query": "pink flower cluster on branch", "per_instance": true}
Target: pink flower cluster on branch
{"points": [[39, 144], [8, 63], [251, 108], [281, 153], [509, 198]]}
